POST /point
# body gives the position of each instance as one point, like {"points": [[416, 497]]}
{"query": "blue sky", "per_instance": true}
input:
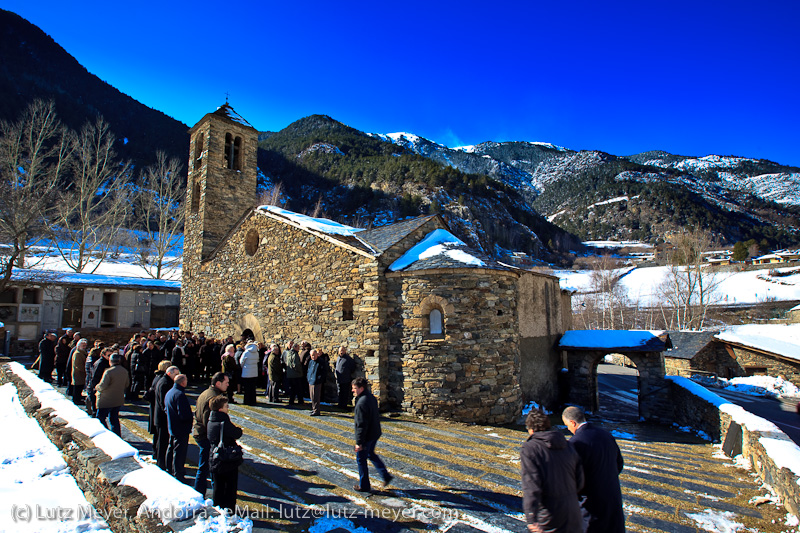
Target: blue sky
{"points": [[692, 78]]}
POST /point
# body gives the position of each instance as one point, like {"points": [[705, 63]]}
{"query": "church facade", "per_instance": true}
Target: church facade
{"points": [[439, 330]]}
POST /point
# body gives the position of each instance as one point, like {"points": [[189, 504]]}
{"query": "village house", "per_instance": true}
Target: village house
{"points": [[771, 350], [38, 301], [439, 329]]}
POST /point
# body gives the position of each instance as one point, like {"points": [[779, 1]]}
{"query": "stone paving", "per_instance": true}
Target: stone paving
{"points": [[300, 471]]}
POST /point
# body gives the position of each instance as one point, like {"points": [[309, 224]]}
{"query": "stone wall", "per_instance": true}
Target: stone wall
{"points": [[694, 411], [97, 475], [774, 365], [542, 321], [469, 373], [293, 286]]}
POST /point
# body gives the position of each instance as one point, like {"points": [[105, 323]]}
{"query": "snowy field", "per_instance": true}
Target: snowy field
{"points": [[641, 285]]}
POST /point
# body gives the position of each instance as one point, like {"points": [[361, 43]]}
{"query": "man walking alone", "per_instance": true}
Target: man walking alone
{"points": [[367, 432]]}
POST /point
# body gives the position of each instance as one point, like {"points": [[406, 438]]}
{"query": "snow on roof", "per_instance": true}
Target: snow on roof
{"points": [[437, 242], [322, 225], [228, 111], [780, 339], [613, 339], [80, 278]]}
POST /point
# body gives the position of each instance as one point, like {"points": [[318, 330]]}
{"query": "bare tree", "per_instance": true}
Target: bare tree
{"points": [[159, 208], [33, 155], [95, 205], [272, 196], [689, 288]]}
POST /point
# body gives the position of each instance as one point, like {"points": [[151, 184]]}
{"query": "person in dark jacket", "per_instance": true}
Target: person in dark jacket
{"points": [[179, 424], [367, 432], [316, 378], [94, 373], [148, 361], [62, 355], [47, 357], [138, 371], [150, 398], [219, 385], [225, 484], [345, 366], [164, 385], [551, 478], [602, 464], [294, 372]]}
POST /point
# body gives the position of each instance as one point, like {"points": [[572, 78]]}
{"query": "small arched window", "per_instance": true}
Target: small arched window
{"points": [[198, 151], [237, 153], [228, 151], [251, 242], [435, 321]]}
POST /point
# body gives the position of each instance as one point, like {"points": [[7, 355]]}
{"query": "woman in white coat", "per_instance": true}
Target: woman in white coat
{"points": [[248, 360]]}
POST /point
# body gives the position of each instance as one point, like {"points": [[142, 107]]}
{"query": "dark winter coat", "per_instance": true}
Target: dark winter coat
{"points": [[179, 412], [150, 396], [345, 366], [62, 352], [316, 371], [148, 361], [231, 433], [551, 478], [293, 363], [99, 367], [274, 367], [602, 463], [78, 368], [162, 387], [367, 418]]}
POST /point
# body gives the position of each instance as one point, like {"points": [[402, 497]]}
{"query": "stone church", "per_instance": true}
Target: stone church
{"points": [[439, 329]]}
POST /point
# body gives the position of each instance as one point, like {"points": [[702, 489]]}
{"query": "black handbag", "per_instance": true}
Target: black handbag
{"points": [[225, 458]]}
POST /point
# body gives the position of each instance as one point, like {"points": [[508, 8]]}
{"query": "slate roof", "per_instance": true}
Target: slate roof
{"points": [[383, 238], [687, 344]]}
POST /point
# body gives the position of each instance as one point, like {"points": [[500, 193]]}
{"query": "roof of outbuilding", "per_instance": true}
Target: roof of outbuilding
{"points": [[687, 344]]}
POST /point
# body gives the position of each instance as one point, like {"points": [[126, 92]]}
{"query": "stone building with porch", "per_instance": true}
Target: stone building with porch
{"points": [[439, 329]]}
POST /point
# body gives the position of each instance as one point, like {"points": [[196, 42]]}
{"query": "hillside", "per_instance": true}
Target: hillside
{"points": [[596, 195], [32, 66], [362, 180]]}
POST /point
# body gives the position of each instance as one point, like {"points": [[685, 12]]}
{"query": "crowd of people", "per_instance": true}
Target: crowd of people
{"points": [[568, 486], [160, 366]]}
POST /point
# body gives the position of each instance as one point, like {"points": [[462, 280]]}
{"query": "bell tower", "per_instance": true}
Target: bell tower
{"points": [[222, 181]]}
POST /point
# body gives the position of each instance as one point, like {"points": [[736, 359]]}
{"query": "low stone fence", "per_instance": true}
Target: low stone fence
{"points": [[772, 454], [100, 476]]}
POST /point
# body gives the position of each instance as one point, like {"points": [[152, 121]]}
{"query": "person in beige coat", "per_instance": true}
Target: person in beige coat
{"points": [[111, 393], [79, 371]]}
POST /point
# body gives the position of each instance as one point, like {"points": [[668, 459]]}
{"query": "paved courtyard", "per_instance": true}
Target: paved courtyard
{"points": [[300, 471]]}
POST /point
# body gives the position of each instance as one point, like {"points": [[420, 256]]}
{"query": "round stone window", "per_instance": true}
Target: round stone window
{"points": [[251, 242]]}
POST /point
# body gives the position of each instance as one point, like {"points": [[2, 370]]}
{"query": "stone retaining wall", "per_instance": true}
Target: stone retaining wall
{"points": [[96, 473], [694, 411]]}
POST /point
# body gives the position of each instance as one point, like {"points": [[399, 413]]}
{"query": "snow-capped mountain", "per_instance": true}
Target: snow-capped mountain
{"points": [[564, 185]]}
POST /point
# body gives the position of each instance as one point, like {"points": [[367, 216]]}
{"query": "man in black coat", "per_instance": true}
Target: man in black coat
{"points": [[602, 463], [47, 357], [179, 423], [162, 387], [551, 478], [367, 431]]}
